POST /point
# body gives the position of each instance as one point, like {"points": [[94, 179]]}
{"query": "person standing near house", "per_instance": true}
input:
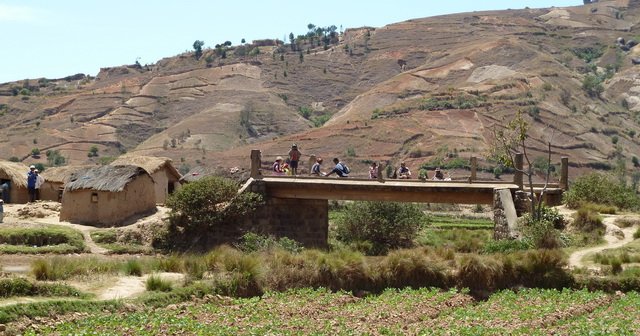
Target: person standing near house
{"points": [[294, 157], [39, 182], [4, 191], [32, 177], [1, 210]]}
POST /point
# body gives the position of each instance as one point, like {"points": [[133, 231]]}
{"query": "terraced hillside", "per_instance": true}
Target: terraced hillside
{"points": [[416, 91]]}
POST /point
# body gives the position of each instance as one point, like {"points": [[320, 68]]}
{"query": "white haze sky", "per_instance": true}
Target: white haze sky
{"points": [[57, 38]]}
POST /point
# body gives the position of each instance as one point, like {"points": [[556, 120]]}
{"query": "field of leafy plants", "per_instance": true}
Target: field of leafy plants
{"points": [[393, 312]]}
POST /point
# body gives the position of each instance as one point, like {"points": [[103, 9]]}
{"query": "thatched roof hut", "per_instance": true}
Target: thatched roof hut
{"points": [[107, 195], [196, 174], [62, 174], [55, 179], [113, 178], [149, 163], [16, 175], [161, 169]]}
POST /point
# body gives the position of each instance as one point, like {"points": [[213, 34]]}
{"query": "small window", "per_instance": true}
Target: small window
{"points": [[94, 197]]}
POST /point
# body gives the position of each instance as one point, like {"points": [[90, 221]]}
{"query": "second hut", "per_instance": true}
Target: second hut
{"points": [[108, 195]]}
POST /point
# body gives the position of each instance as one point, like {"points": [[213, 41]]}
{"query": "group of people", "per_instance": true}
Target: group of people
{"points": [[34, 182], [290, 167]]}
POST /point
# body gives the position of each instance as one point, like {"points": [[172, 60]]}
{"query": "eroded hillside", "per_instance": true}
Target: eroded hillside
{"points": [[414, 91]]}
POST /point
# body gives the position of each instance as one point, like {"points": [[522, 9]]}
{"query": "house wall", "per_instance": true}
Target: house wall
{"points": [[162, 178], [19, 195], [49, 191], [111, 208]]}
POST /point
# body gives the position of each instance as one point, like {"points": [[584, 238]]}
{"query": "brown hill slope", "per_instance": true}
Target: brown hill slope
{"points": [[414, 90]]}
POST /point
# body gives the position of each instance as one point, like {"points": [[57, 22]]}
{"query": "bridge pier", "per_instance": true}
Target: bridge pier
{"points": [[303, 220]]}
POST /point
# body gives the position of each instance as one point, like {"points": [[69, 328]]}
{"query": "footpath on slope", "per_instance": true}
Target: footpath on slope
{"points": [[614, 237]]}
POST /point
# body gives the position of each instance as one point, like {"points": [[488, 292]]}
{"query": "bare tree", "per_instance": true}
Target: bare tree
{"points": [[511, 140]]}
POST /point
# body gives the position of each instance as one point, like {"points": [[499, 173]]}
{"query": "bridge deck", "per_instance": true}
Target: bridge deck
{"points": [[388, 190]]}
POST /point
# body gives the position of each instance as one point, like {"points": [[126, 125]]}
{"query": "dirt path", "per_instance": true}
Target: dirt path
{"points": [[612, 237], [131, 286]]}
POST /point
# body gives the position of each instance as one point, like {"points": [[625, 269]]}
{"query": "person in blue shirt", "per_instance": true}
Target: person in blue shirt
{"points": [[32, 177], [339, 169]]}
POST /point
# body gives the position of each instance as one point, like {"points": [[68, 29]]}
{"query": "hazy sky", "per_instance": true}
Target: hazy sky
{"points": [[57, 38]]}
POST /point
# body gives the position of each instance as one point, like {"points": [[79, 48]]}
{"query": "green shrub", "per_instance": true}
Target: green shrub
{"points": [[636, 235], [253, 242], [205, 204], [506, 245], [23, 287], [616, 266], [41, 239], [601, 208], [104, 236], [386, 225], [156, 283], [600, 188], [540, 233]]}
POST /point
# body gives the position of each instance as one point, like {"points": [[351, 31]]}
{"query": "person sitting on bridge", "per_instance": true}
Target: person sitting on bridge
{"points": [[403, 171], [438, 175], [315, 169], [373, 171], [277, 166], [340, 169]]}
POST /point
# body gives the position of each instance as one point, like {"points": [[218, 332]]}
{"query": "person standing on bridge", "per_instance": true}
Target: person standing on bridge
{"points": [[340, 169], [294, 157]]}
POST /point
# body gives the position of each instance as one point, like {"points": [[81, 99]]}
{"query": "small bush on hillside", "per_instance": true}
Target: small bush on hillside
{"points": [[636, 235], [386, 225], [600, 188], [601, 208]]}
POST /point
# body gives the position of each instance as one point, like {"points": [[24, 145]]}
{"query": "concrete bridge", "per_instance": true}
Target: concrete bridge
{"points": [[297, 207]]}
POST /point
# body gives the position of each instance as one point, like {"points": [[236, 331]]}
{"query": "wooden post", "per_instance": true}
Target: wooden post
{"points": [[564, 173], [518, 165], [312, 161], [256, 161], [474, 167], [380, 177]]}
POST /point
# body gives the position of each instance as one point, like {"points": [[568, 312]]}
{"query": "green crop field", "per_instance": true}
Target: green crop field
{"points": [[394, 312]]}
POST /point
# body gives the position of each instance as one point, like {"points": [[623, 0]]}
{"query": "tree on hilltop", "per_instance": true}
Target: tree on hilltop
{"points": [[197, 46]]}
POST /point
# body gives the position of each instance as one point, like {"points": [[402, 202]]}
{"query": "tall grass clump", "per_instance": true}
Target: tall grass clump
{"points": [[379, 226], [414, 268], [133, 267], [600, 188], [237, 273], [587, 220], [341, 269], [543, 268], [479, 273], [253, 242], [156, 283], [62, 268]]}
